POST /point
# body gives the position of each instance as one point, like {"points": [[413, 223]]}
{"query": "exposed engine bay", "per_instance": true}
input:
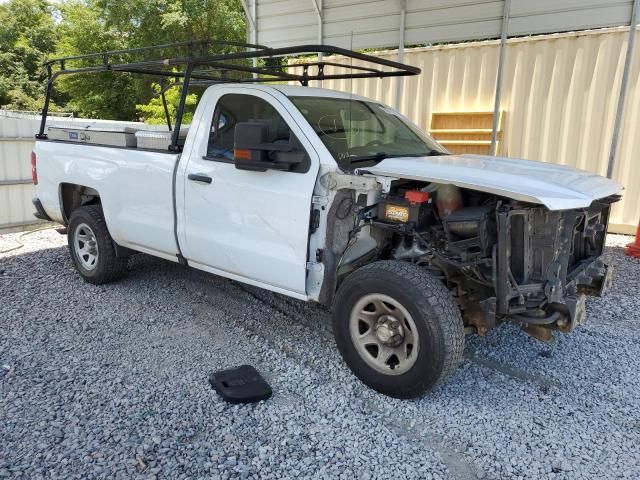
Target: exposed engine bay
{"points": [[502, 259]]}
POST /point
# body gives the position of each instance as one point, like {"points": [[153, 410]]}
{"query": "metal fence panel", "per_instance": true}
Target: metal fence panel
{"points": [[16, 190]]}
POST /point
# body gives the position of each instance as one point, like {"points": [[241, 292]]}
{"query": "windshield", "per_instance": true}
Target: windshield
{"points": [[357, 132]]}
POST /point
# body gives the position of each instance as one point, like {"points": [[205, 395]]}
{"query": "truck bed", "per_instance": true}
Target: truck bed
{"points": [[134, 185]]}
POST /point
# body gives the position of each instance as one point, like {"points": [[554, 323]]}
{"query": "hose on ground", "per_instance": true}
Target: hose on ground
{"points": [[24, 234]]}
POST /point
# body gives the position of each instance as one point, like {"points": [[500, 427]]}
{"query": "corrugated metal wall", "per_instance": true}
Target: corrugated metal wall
{"points": [[559, 99], [16, 143], [16, 190], [375, 23]]}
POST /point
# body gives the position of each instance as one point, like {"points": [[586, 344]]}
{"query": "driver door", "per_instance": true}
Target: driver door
{"points": [[248, 225]]}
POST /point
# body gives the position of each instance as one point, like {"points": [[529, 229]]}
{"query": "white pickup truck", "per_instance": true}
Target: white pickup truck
{"points": [[332, 198]]}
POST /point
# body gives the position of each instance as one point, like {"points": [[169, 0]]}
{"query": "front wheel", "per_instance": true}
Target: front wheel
{"points": [[91, 247], [398, 328]]}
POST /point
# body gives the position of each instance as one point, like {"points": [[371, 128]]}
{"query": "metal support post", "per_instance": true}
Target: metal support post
{"points": [[47, 99], [251, 17], [317, 6], [183, 100], [503, 47], [624, 86], [400, 81]]}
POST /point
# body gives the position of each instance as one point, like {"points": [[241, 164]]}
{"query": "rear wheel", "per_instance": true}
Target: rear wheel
{"points": [[398, 328], [91, 247]]}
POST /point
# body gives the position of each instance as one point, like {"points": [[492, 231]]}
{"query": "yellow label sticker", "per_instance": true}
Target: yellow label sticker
{"points": [[397, 214]]}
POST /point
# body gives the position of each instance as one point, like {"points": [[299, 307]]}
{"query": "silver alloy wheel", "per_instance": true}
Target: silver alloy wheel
{"points": [[86, 246], [384, 334]]}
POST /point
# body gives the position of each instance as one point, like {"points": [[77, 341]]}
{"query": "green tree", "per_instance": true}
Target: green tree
{"points": [[27, 36], [105, 95], [32, 30], [98, 25], [153, 112], [153, 22]]}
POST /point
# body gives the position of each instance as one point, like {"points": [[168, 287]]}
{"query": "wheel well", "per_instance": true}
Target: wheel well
{"points": [[73, 196]]}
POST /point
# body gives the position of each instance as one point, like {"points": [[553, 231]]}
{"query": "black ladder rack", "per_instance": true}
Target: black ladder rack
{"points": [[240, 63]]}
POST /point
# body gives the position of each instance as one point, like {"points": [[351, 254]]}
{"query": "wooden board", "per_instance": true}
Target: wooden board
{"points": [[465, 132]]}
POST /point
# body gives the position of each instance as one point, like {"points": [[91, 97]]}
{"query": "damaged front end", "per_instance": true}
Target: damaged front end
{"points": [[502, 259], [545, 263], [524, 263]]}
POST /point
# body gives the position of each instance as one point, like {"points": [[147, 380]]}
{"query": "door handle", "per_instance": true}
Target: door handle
{"points": [[199, 177]]}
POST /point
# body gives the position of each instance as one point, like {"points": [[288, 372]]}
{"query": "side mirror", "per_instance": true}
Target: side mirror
{"points": [[251, 151]]}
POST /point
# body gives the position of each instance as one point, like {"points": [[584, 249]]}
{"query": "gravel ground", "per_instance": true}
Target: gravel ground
{"points": [[111, 381]]}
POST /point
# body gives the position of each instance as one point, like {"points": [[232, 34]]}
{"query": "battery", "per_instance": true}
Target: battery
{"points": [[401, 210]]}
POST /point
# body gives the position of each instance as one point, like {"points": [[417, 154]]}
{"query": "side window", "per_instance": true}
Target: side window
{"points": [[232, 109]]}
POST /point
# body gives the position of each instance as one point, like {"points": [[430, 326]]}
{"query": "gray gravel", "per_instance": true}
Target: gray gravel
{"points": [[111, 381]]}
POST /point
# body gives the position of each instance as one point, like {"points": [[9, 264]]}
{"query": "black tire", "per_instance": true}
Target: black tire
{"points": [[107, 267], [436, 317]]}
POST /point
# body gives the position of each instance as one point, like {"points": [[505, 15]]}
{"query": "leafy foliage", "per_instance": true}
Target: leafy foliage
{"points": [[31, 30], [153, 22], [153, 112], [27, 36], [104, 95]]}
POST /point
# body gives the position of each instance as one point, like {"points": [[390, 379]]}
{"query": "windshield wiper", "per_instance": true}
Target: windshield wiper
{"points": [[368, 158], [432, 153], [382, 155]]}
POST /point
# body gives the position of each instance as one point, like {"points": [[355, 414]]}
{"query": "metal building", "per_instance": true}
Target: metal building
{"points": [[562, 74], [511, 75]]}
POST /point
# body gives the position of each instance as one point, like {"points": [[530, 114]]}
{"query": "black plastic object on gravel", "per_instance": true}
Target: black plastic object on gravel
{"points": [[242, 384]]}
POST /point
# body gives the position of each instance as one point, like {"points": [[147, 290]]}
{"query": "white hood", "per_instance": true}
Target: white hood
{"points": [[558, 187]]}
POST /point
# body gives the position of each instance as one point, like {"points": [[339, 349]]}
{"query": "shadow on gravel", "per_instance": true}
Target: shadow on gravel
{"points": [[310, 319]]}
